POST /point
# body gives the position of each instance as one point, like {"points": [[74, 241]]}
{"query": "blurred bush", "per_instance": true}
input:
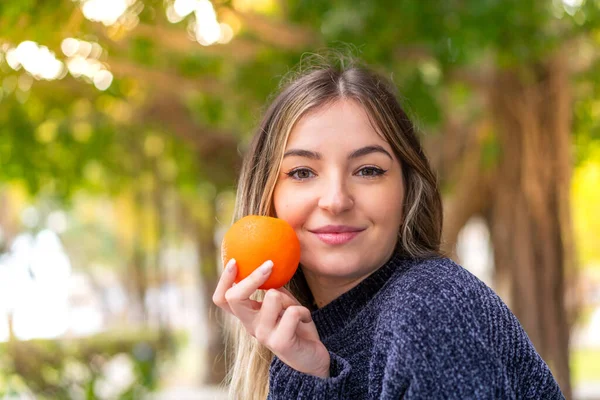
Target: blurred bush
{"points": [[105, 366]]}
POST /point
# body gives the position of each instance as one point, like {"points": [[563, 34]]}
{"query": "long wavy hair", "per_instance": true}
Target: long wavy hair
{"points": [[323, 83]]}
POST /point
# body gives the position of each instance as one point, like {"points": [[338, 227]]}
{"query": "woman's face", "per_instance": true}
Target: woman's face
{"points": [[341, 189]]}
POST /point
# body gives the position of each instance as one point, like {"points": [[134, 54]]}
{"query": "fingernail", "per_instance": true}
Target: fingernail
{"points": [[231, 265], [266, 267]]}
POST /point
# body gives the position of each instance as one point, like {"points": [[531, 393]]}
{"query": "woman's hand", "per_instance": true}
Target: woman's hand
{"points": [[279, 322]]}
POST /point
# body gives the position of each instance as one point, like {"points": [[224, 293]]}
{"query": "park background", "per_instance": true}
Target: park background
{"points": [[123, 122]]}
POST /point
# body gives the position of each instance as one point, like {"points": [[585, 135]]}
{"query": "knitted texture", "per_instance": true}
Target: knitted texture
{"points": [[420, 329]]}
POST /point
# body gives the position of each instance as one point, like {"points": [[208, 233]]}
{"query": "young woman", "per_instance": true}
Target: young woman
{"points": [[374, 311]]}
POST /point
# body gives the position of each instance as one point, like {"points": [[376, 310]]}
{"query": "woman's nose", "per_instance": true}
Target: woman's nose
{"points": [[335, 197]]}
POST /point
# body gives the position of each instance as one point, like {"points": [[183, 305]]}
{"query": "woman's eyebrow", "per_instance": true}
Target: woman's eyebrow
{"points": [[363, 151], [313, 155]]}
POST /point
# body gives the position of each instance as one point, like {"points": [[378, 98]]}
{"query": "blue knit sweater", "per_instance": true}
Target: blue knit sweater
{"points": [[424, 329]]}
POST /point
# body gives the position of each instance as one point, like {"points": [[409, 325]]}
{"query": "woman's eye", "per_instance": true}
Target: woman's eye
{"points": [[301, 174], [370, 171]]}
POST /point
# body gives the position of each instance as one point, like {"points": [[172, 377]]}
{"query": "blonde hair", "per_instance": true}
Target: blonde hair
{"points": [[323, 83]]}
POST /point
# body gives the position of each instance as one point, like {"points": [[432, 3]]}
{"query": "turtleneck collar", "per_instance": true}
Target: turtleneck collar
{"points": [[334, 316]]}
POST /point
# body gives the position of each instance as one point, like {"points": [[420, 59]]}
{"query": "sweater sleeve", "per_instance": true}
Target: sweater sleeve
{"points": [[458, 343], [287, 383]]}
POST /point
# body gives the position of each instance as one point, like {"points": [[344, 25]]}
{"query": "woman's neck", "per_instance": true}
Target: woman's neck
{"points": [[327, 289]]}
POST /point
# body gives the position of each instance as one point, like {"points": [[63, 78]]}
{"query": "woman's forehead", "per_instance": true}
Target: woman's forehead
{"points": [[344, 121]]}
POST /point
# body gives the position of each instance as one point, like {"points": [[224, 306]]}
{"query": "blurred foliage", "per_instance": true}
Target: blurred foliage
{"points": [[87, 144], [93, 140], [110, 365]]}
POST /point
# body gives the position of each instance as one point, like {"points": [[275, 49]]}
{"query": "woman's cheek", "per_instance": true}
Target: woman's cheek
{"points": [[292, 215], [293, 208]]}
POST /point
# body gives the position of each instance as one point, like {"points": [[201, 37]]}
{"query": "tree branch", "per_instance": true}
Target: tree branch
{"points": [[213, 147], [471, 188], [280, 34], [165, 80], [239, 49]]}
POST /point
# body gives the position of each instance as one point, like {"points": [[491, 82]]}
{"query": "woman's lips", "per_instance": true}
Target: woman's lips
{"points": [[336, 238]]}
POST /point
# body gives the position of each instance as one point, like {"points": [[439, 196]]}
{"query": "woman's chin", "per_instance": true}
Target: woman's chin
{"points": [[334, 265]]}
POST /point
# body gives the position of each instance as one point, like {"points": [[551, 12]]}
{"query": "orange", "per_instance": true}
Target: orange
{"points": [[255, 239]]}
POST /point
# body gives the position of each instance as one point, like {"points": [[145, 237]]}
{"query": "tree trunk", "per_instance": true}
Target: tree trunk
{"points": [[8, 231], [529, 213], [208, 270], [137, 271], [11, 329], [8, 222]]}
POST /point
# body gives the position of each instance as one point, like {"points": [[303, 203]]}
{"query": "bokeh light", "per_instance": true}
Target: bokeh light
{"points": [[38, 60], [106, 11], [204, 27]]}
